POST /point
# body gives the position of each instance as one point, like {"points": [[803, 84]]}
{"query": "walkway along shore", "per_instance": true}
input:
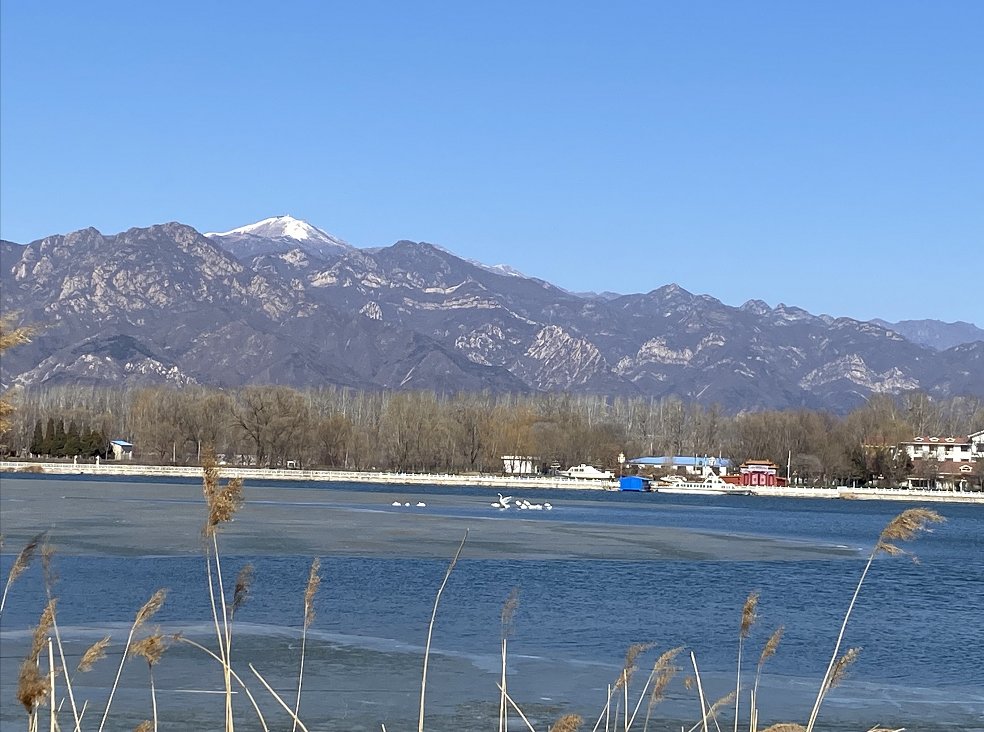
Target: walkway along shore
{"points": [[489, 481]]}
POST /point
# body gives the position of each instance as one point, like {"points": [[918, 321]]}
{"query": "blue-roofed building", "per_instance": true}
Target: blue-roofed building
{"points": [[122, 450], [701, 465]]}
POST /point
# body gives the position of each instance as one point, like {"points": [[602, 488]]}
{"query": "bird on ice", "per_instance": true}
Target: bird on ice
{"points": [[503, 501]]}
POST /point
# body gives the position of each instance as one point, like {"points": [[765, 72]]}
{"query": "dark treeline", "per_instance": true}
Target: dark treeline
{"points": [[421, 431]]}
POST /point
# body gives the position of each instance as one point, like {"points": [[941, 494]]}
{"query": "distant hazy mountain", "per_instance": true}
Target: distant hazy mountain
{"points": [[935, 333], [283, 302]]}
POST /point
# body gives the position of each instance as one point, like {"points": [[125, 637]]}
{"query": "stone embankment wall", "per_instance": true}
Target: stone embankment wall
{"points": [[491, 481]]}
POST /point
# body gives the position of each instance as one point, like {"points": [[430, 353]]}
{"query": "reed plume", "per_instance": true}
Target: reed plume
{"points": [[32, 686], [785, 727], [664, 671], [145, 613], [244, 582], [567, 723], [840, 668], [10, 337], [629, 667], [151, 649], [313, 583], [95, 652], [21, 564], [748, 616], [768, 651], [222, 503], [904, 527], [145, 726]]}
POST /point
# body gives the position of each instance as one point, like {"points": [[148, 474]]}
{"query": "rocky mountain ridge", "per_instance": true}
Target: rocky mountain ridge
{"points": [[283, 302]]}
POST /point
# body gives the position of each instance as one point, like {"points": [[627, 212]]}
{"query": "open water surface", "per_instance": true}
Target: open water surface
{"points": [[599, 572]]}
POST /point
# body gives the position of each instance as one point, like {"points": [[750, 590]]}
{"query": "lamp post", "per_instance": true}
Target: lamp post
{"points": [[621, 461]]}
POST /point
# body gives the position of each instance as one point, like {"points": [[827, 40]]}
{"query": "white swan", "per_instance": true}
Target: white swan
{"points": [[396, 503], [421, 504]]}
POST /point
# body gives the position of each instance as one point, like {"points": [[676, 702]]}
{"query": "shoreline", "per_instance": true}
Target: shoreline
{"points": [[488, 481]]}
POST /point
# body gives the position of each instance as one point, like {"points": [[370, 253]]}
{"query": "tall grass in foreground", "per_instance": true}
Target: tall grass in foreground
{"points": [[621, 711]]}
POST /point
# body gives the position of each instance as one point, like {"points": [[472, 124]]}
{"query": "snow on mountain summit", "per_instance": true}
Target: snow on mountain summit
{"points": [[278, 227], [279, 234]]}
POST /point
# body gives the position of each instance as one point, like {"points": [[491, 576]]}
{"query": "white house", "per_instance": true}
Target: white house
{"points": [[519, 465], [122, 450], [954, 460], [943, 449]]}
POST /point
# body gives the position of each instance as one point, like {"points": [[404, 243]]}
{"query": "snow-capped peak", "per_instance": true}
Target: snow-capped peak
{"points": [[287, 227]]}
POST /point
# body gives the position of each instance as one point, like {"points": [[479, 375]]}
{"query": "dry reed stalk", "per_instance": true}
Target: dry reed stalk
{"points": [[314, 581], [606, 712], [33, 687], [20, 565], [151, 649], [199, 646], [50, 578], [145, 613], [567, 723], [904, 527], [518, 710], [53, 722], [768, 651], [430, 631], [10, 337], [629, 667], [700, 691], [714, 708], [506, 617], [660, 677], [748, 615], [240, 593], [222, 503], [279, 699]]}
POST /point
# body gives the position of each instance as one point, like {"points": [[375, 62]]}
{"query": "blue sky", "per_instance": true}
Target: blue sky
{"points": [[825, 155]]}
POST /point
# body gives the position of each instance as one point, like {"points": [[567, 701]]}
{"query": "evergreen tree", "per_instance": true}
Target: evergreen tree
{"points": [[37, 442], [58, 443], [95, 445], [49, 437], [72, 445]]}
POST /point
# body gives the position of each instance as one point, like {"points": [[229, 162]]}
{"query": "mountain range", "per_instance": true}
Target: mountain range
{"points": [[284, 302]]}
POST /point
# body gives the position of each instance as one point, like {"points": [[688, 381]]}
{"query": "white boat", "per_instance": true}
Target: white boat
{"points": [[712, 485], [586, 472]]}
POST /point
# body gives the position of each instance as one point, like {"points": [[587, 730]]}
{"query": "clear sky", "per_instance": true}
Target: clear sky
{"points": [[828, 155]]}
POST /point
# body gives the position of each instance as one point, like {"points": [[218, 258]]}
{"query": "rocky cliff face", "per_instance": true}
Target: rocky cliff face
{"points": [[168, 305]]}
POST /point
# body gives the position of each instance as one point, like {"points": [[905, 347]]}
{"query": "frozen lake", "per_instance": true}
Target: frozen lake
{"points": [[599, 572]]}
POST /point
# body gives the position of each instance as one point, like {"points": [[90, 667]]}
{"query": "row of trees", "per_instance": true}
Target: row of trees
{"points": [[56, 441], [422, 431]]}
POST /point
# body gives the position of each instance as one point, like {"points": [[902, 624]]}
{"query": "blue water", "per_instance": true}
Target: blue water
{"points": [[919, 624]]}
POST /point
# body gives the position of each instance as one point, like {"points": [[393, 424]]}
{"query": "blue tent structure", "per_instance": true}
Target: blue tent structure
{"points": [[632, 483]]}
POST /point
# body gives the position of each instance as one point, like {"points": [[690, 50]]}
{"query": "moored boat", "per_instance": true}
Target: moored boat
{"points": [[712, 485]]}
